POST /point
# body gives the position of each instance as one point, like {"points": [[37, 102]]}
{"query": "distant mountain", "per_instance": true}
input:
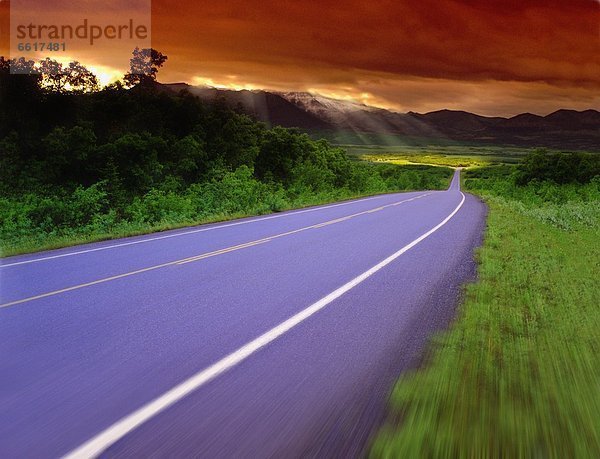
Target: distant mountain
{"points": [[563, 129], [269, 107]]}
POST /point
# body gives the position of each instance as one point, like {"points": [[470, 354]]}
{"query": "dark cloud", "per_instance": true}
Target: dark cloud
{"points": [[524, 41], [492, 56]]}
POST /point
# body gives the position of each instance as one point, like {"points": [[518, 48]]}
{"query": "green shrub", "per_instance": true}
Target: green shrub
{"points": [[160, 206], [565, 206]]}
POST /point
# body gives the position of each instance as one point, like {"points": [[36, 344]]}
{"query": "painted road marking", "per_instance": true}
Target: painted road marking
{"points": [[199, 230], [222, 251], [96, 445], [87, 284], [195, 257], [338, 220]]}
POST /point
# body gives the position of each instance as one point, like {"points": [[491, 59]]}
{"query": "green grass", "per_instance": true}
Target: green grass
{"points": [[434, 159], [506, 154], [517, 374], [436, 155], [441, 155]]}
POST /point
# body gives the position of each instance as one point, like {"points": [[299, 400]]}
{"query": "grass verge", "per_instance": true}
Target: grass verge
{"points": [[517, 375]]}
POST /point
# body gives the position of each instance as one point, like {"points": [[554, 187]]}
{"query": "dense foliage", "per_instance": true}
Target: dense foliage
{"points": [[79, 166], [566, 206], [558, 167]]}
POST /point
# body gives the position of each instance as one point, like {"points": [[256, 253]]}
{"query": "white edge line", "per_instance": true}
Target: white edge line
{"points": [[97, 444], [200, 230]]}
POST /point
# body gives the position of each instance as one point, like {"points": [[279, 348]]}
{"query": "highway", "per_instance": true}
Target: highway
{"points": [[279, 335]]}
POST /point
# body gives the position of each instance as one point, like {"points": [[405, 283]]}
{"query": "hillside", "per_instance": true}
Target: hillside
{"points": [[563, 129]]}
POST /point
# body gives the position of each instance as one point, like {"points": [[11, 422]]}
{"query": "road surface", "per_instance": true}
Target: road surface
{"points": [[271, 336]]}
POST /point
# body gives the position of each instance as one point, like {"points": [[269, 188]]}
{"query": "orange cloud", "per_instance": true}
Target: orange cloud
{"points": [[491, 56], [523, 40]]}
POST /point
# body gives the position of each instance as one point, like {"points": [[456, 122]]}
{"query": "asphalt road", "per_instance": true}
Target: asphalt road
{"points": [[273, 336]]}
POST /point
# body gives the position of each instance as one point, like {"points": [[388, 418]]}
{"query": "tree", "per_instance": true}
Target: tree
{"points": [[558, 167], [281, 149], [20, 66], [80, 79], [10, 161], [144, 66], [66, 154], [18, 75], [53, 75], [74, 77], [19, 93], [188, 158], [239, 141]]}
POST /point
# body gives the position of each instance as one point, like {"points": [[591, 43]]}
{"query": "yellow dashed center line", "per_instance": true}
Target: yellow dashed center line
{"points": [[222, 251]]}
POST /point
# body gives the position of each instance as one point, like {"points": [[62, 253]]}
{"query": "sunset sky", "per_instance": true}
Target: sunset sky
{"points": [[491, 57]]}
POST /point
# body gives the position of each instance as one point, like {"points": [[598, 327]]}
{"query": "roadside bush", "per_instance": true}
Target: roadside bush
{"points": [[33, 217], [565, 206], [160, 206], [235, 192], [78, 209], [310, 176]]}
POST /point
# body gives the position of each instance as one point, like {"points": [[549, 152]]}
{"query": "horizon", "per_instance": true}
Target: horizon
{"points": [[489, 58], [273, 91]]}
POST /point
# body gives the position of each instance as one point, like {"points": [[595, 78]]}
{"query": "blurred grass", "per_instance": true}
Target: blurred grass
{"points": [[517, 375]]}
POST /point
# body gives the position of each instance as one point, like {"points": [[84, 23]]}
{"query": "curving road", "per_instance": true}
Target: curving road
{"points": [[272, 336]]}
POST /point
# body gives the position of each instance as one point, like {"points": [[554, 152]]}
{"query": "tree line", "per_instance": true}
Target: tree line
{"points": [[102, 161]]}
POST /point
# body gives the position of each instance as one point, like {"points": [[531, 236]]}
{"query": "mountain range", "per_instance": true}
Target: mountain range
{"points": [[319, 115]]}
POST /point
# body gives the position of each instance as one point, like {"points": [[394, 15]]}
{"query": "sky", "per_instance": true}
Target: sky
{"points": [[492, 57]]}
